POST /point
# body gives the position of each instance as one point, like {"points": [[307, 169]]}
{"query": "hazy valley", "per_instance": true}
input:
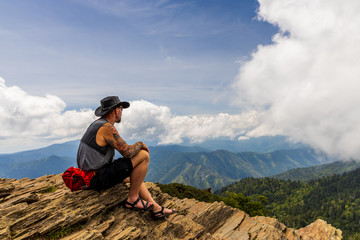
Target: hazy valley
{"points": [[201, 166]]}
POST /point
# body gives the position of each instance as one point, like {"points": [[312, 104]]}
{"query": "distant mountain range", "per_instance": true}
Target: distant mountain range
{"points": [[260, 144], [220, 168], [53, 159], [199, 166], [67, 149], [316, 172], [36, 168]]}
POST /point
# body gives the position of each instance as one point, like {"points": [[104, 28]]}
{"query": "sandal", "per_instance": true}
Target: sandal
{"points": [[146, 206], [161, 214]]}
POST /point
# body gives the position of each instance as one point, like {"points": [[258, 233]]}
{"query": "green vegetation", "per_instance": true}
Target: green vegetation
{"points": [[312, 173], [49, 189], [63, 232], [336, 199], [220, 168], [236, 200]]}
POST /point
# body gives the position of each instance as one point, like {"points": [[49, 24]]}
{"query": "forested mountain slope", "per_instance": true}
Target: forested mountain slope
{"points": [[336, 199], [315, 172], [220, 168]]}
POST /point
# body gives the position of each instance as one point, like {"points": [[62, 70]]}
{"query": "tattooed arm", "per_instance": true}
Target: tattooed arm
{"points": [[108, 134]]}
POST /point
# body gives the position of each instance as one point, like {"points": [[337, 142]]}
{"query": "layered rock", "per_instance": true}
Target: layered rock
{"points": [[28, 210]]}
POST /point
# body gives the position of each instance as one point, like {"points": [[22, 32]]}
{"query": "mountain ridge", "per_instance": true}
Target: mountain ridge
{"points": [[220, 168], [319, 171], [32, 169], [186, 165], [192, 165], [259, 144]]}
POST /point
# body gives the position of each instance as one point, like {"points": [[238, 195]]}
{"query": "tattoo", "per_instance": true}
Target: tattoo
{"points": [[111, 142], [117, 142]]}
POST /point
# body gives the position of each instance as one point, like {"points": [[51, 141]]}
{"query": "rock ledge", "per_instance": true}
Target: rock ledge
{"points": [[28, 211]]}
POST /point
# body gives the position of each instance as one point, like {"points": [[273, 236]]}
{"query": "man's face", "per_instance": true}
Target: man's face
{"points": [[118, 112]]}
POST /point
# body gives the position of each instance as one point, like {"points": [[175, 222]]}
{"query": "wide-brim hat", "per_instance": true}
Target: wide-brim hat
{"points": [[108, 104]]}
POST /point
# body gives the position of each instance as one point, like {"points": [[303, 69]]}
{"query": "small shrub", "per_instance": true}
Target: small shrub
{"points": [[247, 204], [49, 189], [64, 231]]}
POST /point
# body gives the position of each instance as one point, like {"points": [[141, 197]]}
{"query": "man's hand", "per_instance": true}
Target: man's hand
{"points": [[144, 147]]}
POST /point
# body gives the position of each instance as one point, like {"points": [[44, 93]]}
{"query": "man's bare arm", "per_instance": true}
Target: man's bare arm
{"points": [[112, 137]]}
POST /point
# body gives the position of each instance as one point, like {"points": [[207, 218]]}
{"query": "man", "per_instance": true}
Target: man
{"points": [[96, 153]]}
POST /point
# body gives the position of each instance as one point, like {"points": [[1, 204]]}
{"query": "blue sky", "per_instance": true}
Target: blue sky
{"points": [[182, 54], [193, 70]]}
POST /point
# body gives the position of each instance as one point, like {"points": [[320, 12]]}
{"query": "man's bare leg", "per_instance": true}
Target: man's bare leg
{"points": [[145, 194], [136, 180], [140, 167]]}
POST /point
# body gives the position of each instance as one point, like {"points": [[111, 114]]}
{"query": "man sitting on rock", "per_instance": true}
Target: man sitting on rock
{"points": [[96, 153]]}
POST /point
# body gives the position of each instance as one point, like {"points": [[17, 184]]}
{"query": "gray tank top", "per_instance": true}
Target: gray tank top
{"points": [[90, 155]]}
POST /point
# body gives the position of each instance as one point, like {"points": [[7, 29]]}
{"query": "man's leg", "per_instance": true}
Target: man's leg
{"points": [[140, 167], [137, 186], [145, 194]]}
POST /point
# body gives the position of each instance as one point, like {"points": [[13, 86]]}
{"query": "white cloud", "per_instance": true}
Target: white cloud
{"points": [[30, 122], [308, 79], [146, 121]]}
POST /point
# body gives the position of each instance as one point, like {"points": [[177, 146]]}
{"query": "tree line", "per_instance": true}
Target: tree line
{"points": [[335, 199]]}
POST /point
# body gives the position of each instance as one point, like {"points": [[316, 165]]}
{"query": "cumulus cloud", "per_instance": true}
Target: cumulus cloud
{"points": [[307, 81], [144, 120], [31, 121]]}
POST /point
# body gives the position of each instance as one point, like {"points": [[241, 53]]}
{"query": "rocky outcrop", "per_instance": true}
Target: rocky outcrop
{"points": [[44, 208]]}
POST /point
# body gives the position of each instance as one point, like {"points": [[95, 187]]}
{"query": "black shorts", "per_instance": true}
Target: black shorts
{"points": [[111, 174]]}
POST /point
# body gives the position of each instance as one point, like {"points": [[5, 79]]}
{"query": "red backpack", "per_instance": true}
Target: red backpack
{"points": [[77, 179]]}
